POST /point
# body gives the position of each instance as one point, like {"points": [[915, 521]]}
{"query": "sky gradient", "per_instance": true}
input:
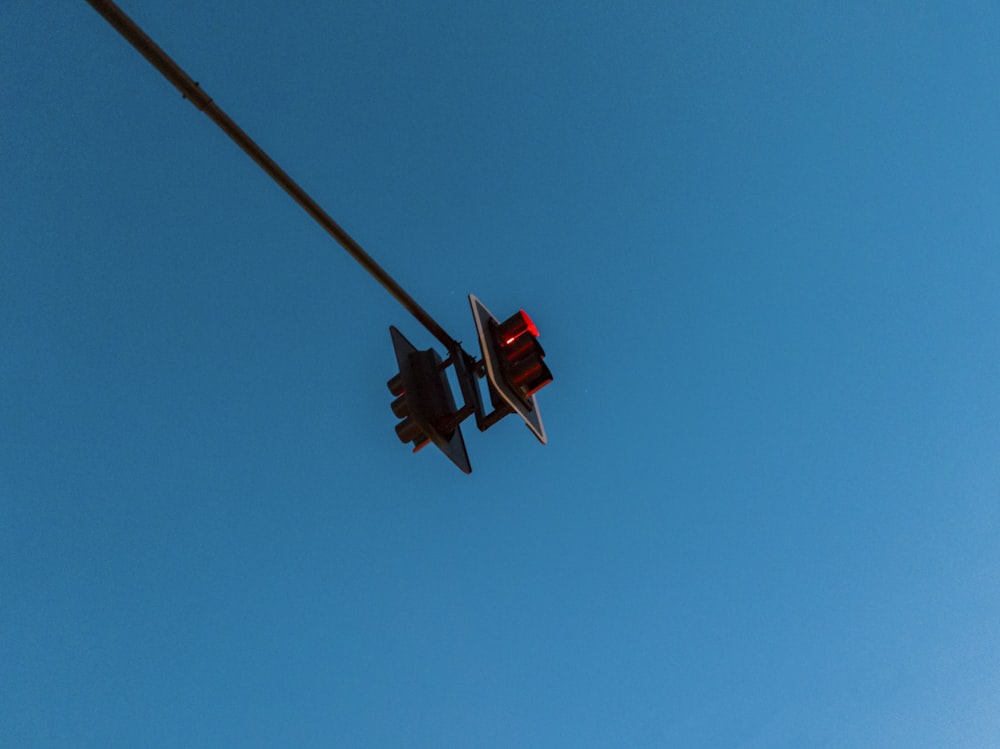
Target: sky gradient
{"points": [[762, 246]]}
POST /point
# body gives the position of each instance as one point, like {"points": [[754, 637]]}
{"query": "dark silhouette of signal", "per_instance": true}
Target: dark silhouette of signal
{"points": [[424, 402]]}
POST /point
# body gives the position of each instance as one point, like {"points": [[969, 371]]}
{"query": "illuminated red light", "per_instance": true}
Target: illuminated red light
{"points": [[515, 326], [530, 325]]}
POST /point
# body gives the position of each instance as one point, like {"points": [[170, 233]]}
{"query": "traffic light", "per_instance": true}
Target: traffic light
{"points": [[521, 355], [424, 402], [514, 367]]}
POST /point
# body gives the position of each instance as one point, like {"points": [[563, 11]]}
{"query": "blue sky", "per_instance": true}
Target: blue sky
{"points": [[762, 245]]}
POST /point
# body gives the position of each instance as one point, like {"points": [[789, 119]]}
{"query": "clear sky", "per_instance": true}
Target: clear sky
{"points": [[762, 245]]}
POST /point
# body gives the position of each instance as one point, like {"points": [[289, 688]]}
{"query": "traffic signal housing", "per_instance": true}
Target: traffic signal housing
{"points": [[424, 402], [513, 361]]}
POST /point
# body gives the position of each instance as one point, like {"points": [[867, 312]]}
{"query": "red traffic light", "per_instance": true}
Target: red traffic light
{"points": [[521, 354], [513, 361], [515, 327]]}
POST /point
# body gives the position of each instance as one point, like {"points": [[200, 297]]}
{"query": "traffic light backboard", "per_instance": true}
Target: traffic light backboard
{"points": [[513, 360]]}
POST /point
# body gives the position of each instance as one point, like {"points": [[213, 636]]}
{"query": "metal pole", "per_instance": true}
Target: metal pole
{"points": [[192, 91]]}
